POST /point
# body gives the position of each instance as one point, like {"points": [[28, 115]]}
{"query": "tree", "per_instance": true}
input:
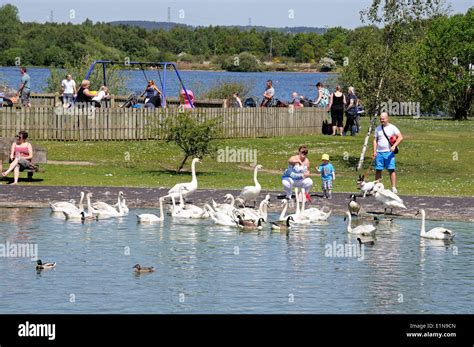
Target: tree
{"points": [[192, 133], [444, 59], [305, 53], [244, 62], [403, 22], [9, 26]]}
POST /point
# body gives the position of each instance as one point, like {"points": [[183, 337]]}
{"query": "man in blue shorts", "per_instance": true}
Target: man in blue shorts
{"points": [[384, 155]]}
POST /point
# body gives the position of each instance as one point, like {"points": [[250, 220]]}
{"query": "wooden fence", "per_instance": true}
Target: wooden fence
{"points": [[48, 123]]}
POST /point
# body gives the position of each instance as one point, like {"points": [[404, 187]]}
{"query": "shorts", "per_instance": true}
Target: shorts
{"points": [[385, 160], [25, 98], [327, 185], [24, 164], [68, 98]]}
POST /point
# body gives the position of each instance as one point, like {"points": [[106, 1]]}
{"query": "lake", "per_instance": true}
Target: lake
{"points": [[204, 268], [198, 81]]}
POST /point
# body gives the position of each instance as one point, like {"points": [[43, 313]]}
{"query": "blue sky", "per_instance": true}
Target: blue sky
{"points": [[276, 13]]}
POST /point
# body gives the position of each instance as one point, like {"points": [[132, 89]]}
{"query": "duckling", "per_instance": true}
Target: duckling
{"points": [[140, 269], [282, 225], [353, 206], [366, 242], [250, 225], [43, 266]]}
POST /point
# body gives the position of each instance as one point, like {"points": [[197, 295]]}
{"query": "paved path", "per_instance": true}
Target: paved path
{"points": [[441, 208]]}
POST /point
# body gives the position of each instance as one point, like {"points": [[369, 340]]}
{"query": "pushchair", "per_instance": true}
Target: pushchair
{"points": [[132, 101]]}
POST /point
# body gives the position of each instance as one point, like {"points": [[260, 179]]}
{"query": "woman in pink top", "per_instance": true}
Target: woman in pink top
{"points": [[20, 156]]}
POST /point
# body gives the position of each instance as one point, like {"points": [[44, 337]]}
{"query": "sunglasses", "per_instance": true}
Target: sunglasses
{"points": [[304, 152]]}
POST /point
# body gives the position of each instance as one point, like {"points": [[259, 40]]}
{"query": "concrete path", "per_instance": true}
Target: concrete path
{"points": [[437, 208]]}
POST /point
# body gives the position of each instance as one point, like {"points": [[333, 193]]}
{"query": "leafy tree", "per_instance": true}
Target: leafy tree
{"points": [[444, 59], [244, 62], [9, 26], [191, 132]]}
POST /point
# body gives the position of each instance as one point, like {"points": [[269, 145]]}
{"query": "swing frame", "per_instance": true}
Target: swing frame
{"points": [[165, 66]]}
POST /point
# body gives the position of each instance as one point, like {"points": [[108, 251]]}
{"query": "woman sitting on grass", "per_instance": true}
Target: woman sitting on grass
{"points": [[20, 156]]}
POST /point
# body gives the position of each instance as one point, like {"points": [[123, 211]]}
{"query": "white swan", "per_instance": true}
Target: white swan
{"points": [[187, 211], [226, 207], [152, 218], [62, 206], [106, 208], [387, 197], [221, 218], [298, 217], [251, 214], [187, 188], [313, 214], [365, 229], [108, 213], [121, 200], [282, 217], [250, 193], [438, 233]]}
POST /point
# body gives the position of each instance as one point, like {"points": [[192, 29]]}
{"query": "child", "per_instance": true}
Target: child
{"points": [[327, 175], [101, 95]]}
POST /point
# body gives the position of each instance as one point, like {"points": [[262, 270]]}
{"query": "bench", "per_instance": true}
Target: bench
{"points": [[39, 155]]}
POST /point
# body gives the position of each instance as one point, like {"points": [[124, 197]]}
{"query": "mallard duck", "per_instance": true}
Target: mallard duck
{"points": [[249, 225], [282, 225], [438, 233], [140, 269], [353, 206], [43, 266]]}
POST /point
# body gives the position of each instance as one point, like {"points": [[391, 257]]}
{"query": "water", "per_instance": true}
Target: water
{"points": [[198, 81], [203, 268]]}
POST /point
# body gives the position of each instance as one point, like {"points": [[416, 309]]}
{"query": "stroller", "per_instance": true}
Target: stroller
{"points": [[132, 101], [250, 102]]}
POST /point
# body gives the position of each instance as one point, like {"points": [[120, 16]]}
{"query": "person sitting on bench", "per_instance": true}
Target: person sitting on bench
{"points": [[20, 156]]}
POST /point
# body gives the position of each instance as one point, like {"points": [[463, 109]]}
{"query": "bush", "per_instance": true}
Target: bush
{"points": [[226, 90], [193, 134], [327, 64], [244, 62]]}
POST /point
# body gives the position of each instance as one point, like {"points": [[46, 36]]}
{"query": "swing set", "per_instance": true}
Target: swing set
{"points": [[158, 65]]}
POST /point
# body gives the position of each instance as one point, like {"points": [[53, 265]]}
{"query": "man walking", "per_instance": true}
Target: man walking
{"points": [[25, 88], [387, 138]]}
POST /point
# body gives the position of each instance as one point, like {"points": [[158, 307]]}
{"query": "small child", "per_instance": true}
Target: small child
{"points": [[327, 175]]}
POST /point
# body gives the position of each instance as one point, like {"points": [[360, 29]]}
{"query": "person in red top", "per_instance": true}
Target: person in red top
{"points": [[20, 156]]}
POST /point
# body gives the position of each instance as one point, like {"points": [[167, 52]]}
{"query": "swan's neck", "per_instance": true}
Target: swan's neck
{"points": [[193, 172], [255, 177], [422, 231], [161, 210], [81, 202], [89, 205], [303, 196], [297, 202], [181, 201], [263, 209], [232, 201], [349, 221], [283, 213]]}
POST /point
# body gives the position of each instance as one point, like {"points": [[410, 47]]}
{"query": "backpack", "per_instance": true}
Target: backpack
{"points": [[250, 102]]}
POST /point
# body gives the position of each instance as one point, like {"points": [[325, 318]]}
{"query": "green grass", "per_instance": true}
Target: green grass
{"points": [[426, 164]]}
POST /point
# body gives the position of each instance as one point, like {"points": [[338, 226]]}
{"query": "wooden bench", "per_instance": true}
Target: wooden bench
{"points": [[40, 155]]}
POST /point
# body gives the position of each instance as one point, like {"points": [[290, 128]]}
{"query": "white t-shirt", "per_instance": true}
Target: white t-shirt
{"points": [[100, 95], [382, 143], [270, 92], [68, 86]]}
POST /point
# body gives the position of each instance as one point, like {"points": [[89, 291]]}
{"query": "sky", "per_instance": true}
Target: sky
{"points": [[276, 13]]}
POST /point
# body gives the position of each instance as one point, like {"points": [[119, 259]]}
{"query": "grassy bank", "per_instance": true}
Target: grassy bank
{"points": [[435, 159]]}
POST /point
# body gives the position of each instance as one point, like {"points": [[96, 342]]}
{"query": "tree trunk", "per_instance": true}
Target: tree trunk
{"points": [[182, 164]]}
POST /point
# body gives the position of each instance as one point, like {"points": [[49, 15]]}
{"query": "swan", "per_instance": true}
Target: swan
{"points": [[226, 207], [90, 209], [121, 200], [151, 218], [61, 206], [438, 233], [102, 214], [313, 214], [106, 208], [189, 210], [138, 268], [365, 229], [298, 217], [42, 266], [262, 212], [282, 224], [250, 193], [387, 197], [353, 206], [282, 217], [221, 218], [187, 188]]}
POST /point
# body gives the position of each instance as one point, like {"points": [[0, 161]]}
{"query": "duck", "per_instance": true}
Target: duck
{"points": [[44, 266], [140, 269], [62, 206], [365, 229], [388, 198], [437, 233], [366, 242], [354, 206], [248, 225], [151, 218], [82, 215], [282, 225], [186, 188], [378, 220], [250, 193]]}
